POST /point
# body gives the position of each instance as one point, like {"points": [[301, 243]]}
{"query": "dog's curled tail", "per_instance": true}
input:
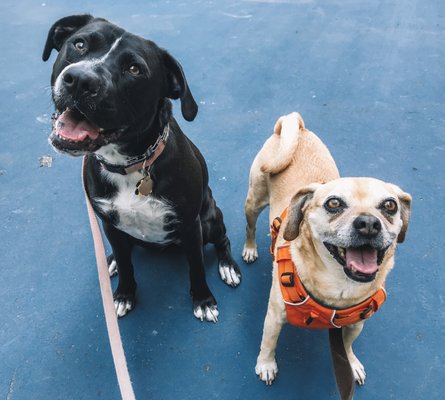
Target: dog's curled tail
{"points": [[287, 128]]}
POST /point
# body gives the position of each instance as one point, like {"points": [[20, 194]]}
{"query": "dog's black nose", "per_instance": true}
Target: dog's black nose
{"points": [[367, 225], [80, 82]]}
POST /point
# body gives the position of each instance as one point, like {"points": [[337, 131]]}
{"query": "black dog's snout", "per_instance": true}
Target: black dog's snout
{"points": [[367, 225], [81, 82]]}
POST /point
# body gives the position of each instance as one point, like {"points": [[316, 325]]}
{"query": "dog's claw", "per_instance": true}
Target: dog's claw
{"points": [[358, 370], [230, 275], [250, 254], [267, 371], [112, 265], [123, 307], [112, 268], [207, 313]]}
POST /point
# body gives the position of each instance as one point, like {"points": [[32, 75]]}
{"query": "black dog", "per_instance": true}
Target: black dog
{"points": [[146, 180]]}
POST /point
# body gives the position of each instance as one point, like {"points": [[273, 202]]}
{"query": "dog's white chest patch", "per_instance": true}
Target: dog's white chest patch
{"points": [[144, 217]]}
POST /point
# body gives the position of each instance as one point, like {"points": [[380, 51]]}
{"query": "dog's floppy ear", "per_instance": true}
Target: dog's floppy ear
{"points": [[405, 210], [295, 212], [405, 213], [177, 87], [61, 30]]}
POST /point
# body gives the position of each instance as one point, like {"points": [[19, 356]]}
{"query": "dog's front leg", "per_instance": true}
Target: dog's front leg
{"points": [[350, 333], [204, 304], [121, 243], [266, 367]]}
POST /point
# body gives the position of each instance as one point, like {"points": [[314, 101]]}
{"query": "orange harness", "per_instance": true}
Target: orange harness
{"points": [[303, 310]]}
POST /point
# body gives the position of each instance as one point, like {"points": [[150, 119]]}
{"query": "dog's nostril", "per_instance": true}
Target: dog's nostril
{"points": [[377, 226], [90, 86], [359, 224], [68, 79]]}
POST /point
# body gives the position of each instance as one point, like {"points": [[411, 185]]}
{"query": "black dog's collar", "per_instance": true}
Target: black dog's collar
{"points": [[143, 161]]}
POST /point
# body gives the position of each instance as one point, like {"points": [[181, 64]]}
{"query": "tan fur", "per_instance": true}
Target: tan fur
{"points": [[295, 169]]}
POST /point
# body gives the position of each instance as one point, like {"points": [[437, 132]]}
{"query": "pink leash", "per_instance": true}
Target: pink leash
{"points": [[114, 336]]}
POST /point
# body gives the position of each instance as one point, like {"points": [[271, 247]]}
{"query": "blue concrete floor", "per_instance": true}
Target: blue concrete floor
{"points": [[368, 77]]}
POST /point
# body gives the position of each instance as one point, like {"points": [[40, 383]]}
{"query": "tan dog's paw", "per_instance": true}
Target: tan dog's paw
{"points": [[267, 371], [358, 370], [250, 254]]}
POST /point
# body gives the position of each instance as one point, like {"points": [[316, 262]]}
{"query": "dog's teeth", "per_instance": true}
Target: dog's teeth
{"points": [[341, 252]]}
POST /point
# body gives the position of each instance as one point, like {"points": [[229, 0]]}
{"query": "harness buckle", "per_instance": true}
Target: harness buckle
{"points": [[276, 223], [367, 313], [287, 279], [312, 315]]}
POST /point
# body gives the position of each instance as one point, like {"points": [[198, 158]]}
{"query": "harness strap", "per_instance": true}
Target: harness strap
{"points": [[117, 350], [275, 229], [304, 311]]}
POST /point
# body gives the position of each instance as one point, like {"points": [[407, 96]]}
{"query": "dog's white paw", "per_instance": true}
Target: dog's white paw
{"points": [[123, 307], [267, 371], [358, 370], [206, 313], [250, 254], [229, 275], [112, 268]]}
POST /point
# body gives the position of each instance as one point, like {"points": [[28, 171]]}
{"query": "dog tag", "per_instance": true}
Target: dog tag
{"points": [[144, 187]]}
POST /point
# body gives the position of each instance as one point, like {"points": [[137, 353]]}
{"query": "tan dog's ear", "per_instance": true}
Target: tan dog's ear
{"points": [[295, 211], [405, 211]]}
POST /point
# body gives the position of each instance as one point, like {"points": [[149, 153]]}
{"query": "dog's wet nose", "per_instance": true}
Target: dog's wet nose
{"points": [[367, 225], [80, 82]]}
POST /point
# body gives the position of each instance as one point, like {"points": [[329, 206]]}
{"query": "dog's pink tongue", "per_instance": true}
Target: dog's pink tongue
{"points": [[362, 259], [70, 127]]}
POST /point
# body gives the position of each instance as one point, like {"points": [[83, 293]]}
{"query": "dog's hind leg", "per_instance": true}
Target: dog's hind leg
{"points": [[125, 294], [350, 333], [257, 199]]}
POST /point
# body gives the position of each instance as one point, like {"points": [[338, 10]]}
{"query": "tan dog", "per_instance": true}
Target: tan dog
{"points": [[342, 231]]}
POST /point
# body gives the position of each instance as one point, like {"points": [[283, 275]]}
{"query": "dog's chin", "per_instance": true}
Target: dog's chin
{"points": [[74, 134], [360, 264]]}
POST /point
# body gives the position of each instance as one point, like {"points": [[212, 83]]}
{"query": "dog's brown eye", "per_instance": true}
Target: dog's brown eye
{"points": [[390, 206], [334, 204], [134, 70], [79, 45]]}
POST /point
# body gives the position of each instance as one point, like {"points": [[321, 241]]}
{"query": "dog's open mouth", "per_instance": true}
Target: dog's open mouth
{"points": [[73, 126], [74, 133], [359, 263]]}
